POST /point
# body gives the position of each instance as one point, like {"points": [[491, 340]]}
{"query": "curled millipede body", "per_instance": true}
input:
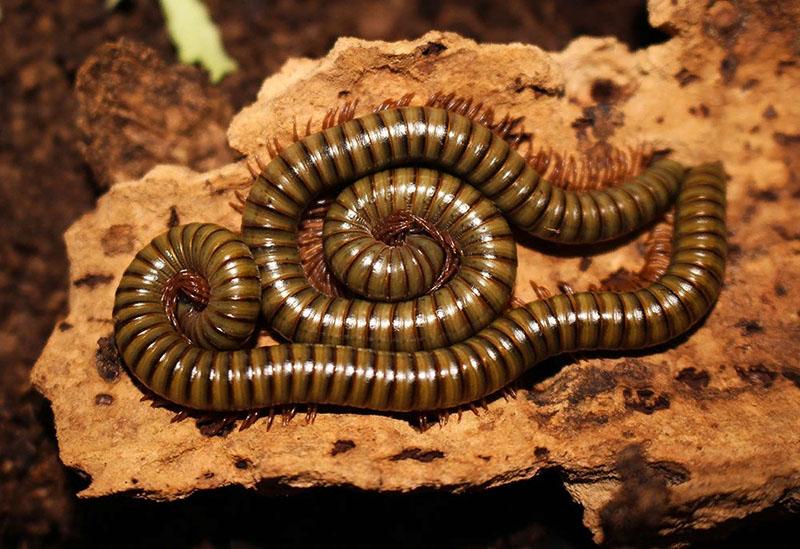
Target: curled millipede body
{"points": [[405, 338]]}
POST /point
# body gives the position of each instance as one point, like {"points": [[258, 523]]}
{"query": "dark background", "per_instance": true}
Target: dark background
{"points": [[45, 185]]}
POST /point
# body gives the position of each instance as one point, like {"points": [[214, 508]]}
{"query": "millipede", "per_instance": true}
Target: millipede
{"points": [[415, 310]]}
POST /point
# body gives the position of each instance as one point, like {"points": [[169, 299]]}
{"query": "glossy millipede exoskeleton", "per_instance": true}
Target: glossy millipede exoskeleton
{"points": [[391, 343]]}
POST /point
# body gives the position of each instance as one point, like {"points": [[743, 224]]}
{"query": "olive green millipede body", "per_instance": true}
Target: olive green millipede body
{"points": [[403, 340]]}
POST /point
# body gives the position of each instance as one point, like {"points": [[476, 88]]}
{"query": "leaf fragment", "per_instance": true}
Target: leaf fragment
{"points": [[196, 37]]}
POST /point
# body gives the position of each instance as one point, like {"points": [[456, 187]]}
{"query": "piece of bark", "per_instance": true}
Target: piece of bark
{"points": [[669, 441], [137, 111]]}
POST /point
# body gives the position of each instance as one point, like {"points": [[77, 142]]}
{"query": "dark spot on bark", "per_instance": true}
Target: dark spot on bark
{"points": [[786, 139], [770, 113], [685, 77], [585, 263], [417, 454], [541, 452], [750, 84], [134, 481], [64, 326], [208, 475], [748, 214], [485, 458], [755, 129], [620, 280], [750, 326], [541, 397], [673, 473], [174, 220], [594, 382], [696, 379], [342, 446], [592, 419], [520, 86], [118, 240], [724, 19], [785, 234], [636, 512], [542, 418], [602, 119], [701, 111], [780, 290], [242, 463], [757, 374], [767, 195], [215, 426], [343, 93], [660, 120], [107, 359], [660, 154], [583, 122], [792, 374], [784, 64], [605, 91], [103, 399], [728, 67], [645, 401], [433, 48], [92, 281]]}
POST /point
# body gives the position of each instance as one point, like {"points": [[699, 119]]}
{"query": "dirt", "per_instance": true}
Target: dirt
{"points": [[46, 183]]}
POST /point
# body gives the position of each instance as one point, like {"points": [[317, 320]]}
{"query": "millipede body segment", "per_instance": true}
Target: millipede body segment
{"points": [[404, 339]]}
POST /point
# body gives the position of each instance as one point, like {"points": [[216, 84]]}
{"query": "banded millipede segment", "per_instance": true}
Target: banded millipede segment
{"points": [[428, 344]]}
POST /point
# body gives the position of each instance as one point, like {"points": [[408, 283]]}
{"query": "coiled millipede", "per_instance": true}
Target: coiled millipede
{"points": [[404, 340]]}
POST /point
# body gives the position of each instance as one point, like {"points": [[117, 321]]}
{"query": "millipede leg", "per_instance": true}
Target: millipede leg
{"points": [[238, 204], [540, 291], [508, 128], [393, 103], [250, 419], [311, 414], [180, 416], [509, 392], [658, 250], [602, 166], [213, 424], [565, 288], [287, 415], [422, 422]]}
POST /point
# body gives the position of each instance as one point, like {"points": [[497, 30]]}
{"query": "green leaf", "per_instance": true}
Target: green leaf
{"points": [[194, 34], [111, 4]]}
